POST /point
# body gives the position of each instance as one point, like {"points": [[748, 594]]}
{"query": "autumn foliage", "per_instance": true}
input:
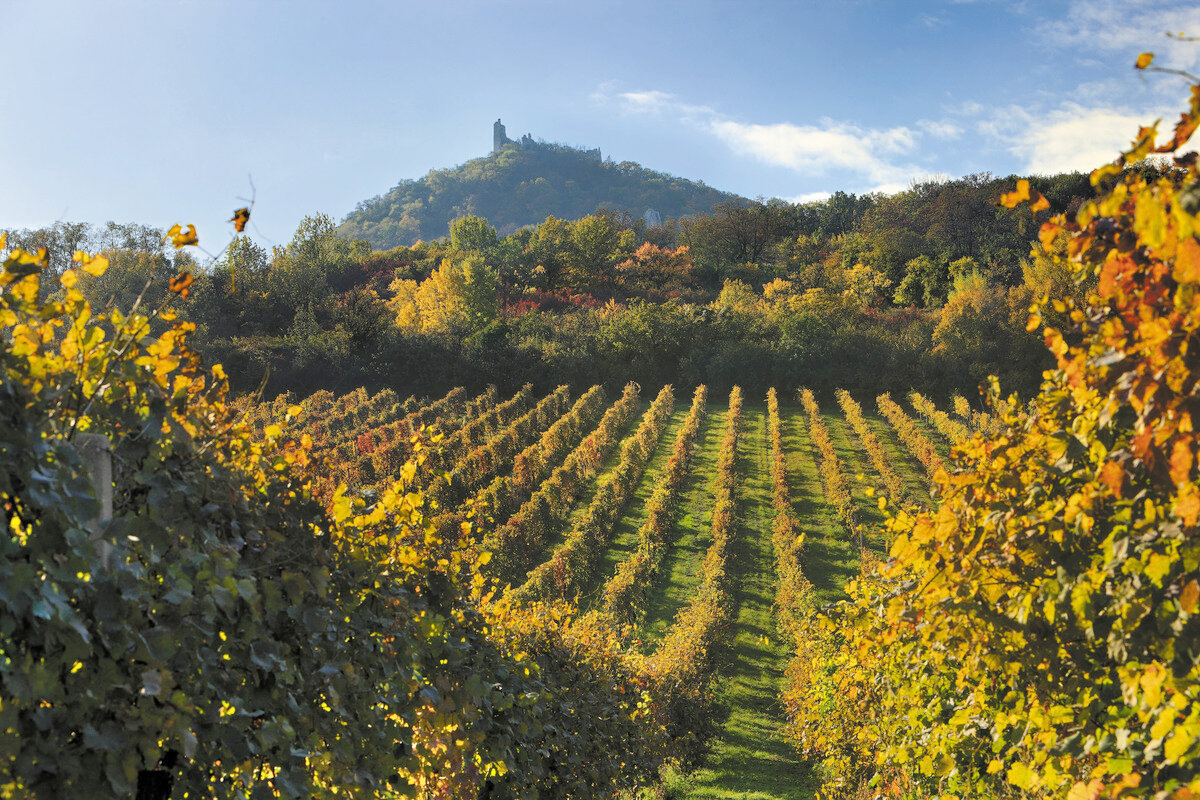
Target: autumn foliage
{"points": [[1035, 633]]}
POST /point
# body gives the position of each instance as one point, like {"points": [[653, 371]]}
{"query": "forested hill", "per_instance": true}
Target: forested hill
{"points": [[522, 184]]}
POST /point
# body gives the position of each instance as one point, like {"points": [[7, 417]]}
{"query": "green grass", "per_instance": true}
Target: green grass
{"points": [[679, 574], [750, 758]]}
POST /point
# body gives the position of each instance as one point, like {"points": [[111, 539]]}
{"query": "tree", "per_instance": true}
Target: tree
{"points": [[924, 283], [473, 234], [592, 246]]}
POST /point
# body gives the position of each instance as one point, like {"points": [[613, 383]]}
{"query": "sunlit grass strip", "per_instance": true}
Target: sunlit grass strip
{"points": [[787, 539], [912, 438], [625, 594], [833, 478], [683, 655], [534, 464], [573, 564], [519, 541], [870, 442], [955, 432]]}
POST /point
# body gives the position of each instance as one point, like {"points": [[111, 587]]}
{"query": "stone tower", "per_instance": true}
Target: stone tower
{"points": [[499, 137]]}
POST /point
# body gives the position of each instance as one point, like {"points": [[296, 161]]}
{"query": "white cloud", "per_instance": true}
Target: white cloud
{"points": [[940, 129], [1071, 137], [877, 154], [1126, 29], [832, 145], [810, 197]]}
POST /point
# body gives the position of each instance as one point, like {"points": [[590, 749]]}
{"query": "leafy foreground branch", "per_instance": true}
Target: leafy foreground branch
{"points": [[1035, 634], [226, 635]]}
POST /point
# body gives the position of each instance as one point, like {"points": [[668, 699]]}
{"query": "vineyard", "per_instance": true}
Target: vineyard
{"points": [[642, 592], [694, 525]]}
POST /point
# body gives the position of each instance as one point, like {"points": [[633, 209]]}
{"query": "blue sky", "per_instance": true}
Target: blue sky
{"points": [[157, 112]]}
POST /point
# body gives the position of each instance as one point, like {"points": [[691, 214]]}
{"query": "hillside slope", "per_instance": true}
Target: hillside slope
{"points": [[522, 184]]}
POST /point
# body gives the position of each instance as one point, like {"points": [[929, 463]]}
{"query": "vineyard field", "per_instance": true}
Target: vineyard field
{"points": [[620, 516]]}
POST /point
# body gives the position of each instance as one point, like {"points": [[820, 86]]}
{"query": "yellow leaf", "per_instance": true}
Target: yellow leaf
{"points": [[1143, 60], [1157, 567], [69, 279], [1017, 196], [92, 265], [182, 237]]}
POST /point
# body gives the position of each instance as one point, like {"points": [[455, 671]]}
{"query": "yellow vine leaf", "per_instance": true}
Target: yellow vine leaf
{"points": [[182, 237]]}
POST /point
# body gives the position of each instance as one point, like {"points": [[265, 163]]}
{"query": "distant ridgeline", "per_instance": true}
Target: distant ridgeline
{"points": [[521, 183]]}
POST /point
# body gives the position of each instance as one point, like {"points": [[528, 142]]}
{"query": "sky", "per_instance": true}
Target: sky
{"points": [[160, 112]]}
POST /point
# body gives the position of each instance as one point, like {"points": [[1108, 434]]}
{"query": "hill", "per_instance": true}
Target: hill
{"points": [[521, 183]]}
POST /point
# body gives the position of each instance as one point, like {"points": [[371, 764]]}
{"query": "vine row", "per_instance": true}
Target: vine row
{"points": [[573, 564], [624, 595], [870, 442], [681, 662], [486, 459], [916, 442], [787, 539], [533, 464], [516, 544], [833, 479], [953, 430]]}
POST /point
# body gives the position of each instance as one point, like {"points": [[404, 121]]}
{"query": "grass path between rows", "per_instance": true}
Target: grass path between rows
{"points": [[680, 572], [750, 758]]}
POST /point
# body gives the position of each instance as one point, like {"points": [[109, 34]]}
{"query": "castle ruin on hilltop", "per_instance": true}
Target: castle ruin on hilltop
{"points": [[500, 139]]}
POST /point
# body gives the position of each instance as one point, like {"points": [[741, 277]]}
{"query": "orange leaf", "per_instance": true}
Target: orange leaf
{"points": [[1040, 203], [240, 218], [1181, 461], [1047, 233], [1017, 196], [1112, 475], [181, 284], [1187, 507], [1143, 60], [1187, 261], [1189, 598], [182, 237]]}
